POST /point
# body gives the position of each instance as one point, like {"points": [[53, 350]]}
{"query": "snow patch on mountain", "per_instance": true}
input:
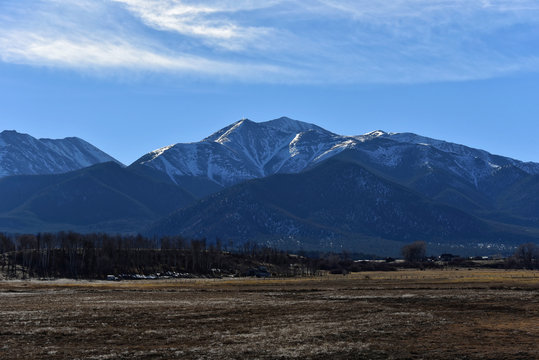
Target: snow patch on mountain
{"points": [[388, 156], [158, 152], [335, 149], [374, 134]]}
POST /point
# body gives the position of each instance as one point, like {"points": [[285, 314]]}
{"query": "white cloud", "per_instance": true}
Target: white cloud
{"points": [[118, 54], [187, 20], [318, 41], [202, 19]]}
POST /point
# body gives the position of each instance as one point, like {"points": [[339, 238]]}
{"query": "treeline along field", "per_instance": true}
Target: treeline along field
{"points": [[97, 255], [100, 255], [76, 255]]}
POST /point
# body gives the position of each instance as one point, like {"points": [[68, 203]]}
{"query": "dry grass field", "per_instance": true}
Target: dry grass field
{"points": [[433, 314]]}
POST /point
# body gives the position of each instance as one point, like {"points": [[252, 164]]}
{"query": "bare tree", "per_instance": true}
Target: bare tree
{"points": [[527, 255], [415, 251]]}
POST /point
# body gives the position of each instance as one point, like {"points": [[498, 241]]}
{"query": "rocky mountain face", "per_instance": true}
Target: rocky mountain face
{"points": [[22, 154]]}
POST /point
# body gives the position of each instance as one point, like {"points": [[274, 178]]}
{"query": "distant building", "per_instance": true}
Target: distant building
{"points": [[447, 257]]}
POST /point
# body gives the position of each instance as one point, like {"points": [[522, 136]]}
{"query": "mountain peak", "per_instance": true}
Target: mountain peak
{"points": [[376, 133], [287, 124], [246, 126], [6, 132], [243, 121], [13, 134], [225, 133]]}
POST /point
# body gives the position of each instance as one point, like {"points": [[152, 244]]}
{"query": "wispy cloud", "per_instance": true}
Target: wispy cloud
{"points": [[87, 37], [354, 41], [96, 54], [210, 21]]}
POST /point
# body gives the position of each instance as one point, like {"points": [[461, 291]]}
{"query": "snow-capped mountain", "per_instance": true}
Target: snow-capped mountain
{"points": [[22, 154], [247, 150], [241, 151]]}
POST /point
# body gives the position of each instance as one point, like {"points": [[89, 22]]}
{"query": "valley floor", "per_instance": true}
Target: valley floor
{"points": [[409, 314]]}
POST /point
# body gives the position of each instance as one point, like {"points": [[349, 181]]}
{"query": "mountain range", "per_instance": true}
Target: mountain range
{"points": [[283, 183]]}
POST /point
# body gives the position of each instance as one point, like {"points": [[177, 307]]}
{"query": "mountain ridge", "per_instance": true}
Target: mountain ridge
{"points": [[22, 154], [247, 150]]}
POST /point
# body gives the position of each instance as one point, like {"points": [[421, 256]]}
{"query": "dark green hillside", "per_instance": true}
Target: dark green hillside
{"points": [[105, 197], [522, 199], [336, 204]]}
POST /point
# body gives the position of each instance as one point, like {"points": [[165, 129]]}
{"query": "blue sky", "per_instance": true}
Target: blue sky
{"points": [[130, 76]]}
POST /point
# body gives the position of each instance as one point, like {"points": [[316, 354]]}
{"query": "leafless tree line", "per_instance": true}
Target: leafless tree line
{"points": [[526, 256], [73, 255]]}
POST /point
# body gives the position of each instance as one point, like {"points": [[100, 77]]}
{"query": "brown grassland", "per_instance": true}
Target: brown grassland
{"points": [[407, 314]]}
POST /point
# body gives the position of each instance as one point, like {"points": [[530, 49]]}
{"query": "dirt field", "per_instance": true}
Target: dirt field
{"points": [[464, 314]]}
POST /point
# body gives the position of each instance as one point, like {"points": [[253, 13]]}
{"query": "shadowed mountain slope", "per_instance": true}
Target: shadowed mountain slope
{"points": [[102, 198], [336, 205]]}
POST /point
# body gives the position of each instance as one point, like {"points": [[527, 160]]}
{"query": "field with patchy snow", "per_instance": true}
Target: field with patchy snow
{"points": [[464, 314]]}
